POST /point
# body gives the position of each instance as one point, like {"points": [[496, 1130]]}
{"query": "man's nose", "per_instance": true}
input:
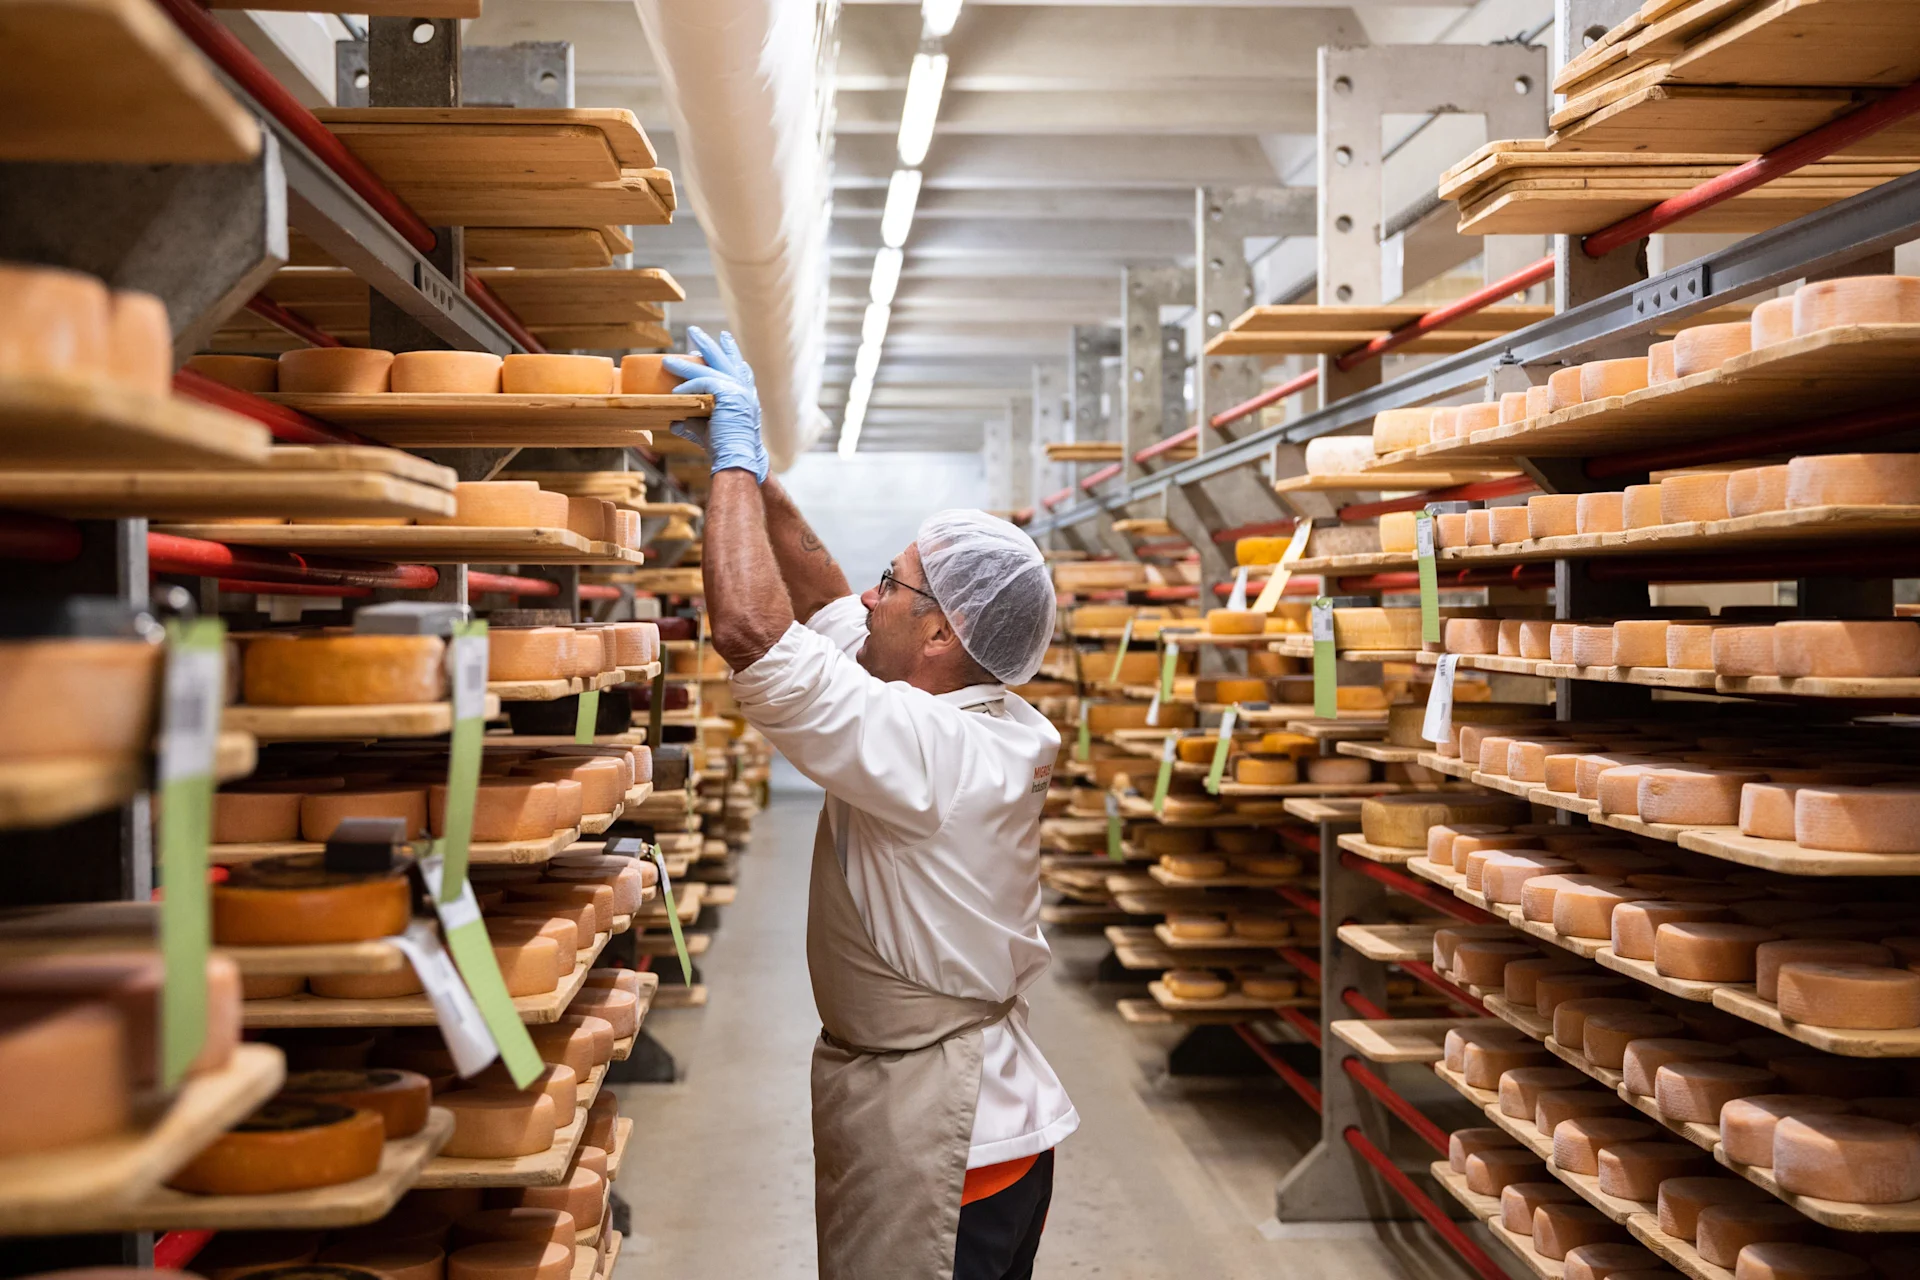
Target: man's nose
{"points": [[870, 598]]}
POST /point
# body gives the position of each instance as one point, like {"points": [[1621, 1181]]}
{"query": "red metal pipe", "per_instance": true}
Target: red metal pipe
{"points": [[288, 426], [1300, 960], [1425, 974], [1804, 150], [1459, 308], [1270, 528], [1295, 1081], [1167, 444], [1421, 1203], [598, 591], [170, 553], [243, 586], [502, 314], [1300, 1022], [1300, 898], [1754, 444], [1170, 595], [1366, 1008], [226, 52], [281, 318], [176, 1249], [1478, 491], [1307, 840], [1300, 584], [1535, 574], [1057, 497], [45, 539], [1101, 476], [1272, 395], [1894, 559], [1432, 895], [479, 583], [1430, 1133]]}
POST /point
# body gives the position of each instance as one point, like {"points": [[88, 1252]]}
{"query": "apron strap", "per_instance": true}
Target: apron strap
{"points": [[998, 1013]]}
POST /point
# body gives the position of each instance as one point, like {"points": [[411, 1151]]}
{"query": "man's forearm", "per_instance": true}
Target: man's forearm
{"points": [[747, 604], [812, 575]]}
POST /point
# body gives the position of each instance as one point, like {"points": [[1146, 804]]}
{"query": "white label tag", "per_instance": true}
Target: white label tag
{"points": [[468, 660], [1238, 600], [191, 723], [461, 1025], [463, 910], [1423, 539], [1226, 721], [1322, 622], [1168, 746], [1440, 700], [1153, 709], [1113, 805]]}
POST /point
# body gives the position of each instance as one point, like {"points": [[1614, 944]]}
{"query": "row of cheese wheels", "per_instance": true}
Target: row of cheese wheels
{"points": [[1741, 641], [1212, 866], [1252, 622], [1207, 984], [364, 371], [1147, 620], [69, 326], [1248, 926], [504, 504], [80, 1035]]}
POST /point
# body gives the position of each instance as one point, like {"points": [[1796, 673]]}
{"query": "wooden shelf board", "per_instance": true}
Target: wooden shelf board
{"points": [[1336, 810], [1788, 857], [1522, 1248], [1387, 855], [47, 791], [72, 1189], [514, 852], [1400, 482], [1481, 1207], [376, 956], [1745, 1002], [1382, 752], [1643, 971], [433, 544], [677, 996], [1396, 1040], [546, 1169], [1679, 1253], [213, 495], [54, 424], [1541, 1144], [1230, 880], [533, 690], [622, 1134], [1841, 1216], [1721, 120], [661, 944], [550, 421], [293, 724]]}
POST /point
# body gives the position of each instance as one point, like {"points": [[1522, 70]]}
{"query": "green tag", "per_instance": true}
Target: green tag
{"points": [[1083, 746], [1169, 658], [1126, 638], [1429, 578], [1114, 850], [673, 915], [472, 952], [656, 706], [1161, 783], [1326, 674], [584, 718], [190, 729], [468, 657], [1220, 752]]}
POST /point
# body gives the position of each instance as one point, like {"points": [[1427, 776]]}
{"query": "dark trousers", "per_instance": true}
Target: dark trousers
{"points": [[1000, 1234]]}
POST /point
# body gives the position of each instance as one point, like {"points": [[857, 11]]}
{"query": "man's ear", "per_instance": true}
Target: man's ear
{"points": [[942, 639]]}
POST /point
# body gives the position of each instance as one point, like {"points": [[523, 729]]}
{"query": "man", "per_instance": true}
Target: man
{"points": [[934, 1113]]}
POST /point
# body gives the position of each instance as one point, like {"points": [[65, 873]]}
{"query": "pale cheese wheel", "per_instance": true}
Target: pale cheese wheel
{"points": [[1618, 789], [1708, 346], [1563, 388], [256, 374], [1640, 506], [1503, 875], [1521, 979], [529, 962], [1747, 1124], [1396, 429], [596, 899], [628, 886], [271, 986], [1490, 1171], [1570, 1017], [1612, 1261], [582, 1197], [1708, 951], [1641, 1066], [1445, 424], [550, 509], [1471, 418], [1513, 407], [1194, 984], [1743, 651], [1771, 321], [1535, 638], [335, 370], [322, 811], [1605, 1036], [1682, 1199], [492, 504], [1693, 797], [504, 810], [1484, 1064], [1660, 363], [1847, 649], [627, 525], [1507, 524], [1441, 835], [1402, 821], [1192, 927], [1690, 646], [1560, 1228], [366, 986], [1766, 809], [1519, 1200], [1757, 489], [400, 1098], [561, 375], [1600, 379], [511, 1260], [592, 518], [1592, 646], [1462, 1143], [1454, 1047], [1480, 961], [1338, 770], [139, 343], [1695, 1091], [1538, 894], [1450, 530], [570, 1043], [57, 323], [529, 653], [1560, 642], [1520, 1088], [1235, 622], [294, 900], [1854, 479], [344, 670], [1338, 455], [1586, 911], [1856, 1159], [1698, 495], [1849, 300], [1577, 1143], [1527, 760], [1555, 1107], [1640, 642], [1552, 515], [1397, 531], [648, 375], [71, 1058], [1857, 819], [602, 782], [1635, 1170], [1600, 513], [1472, 635], [1826, 951], [445, 373], [1551, 990], [1634, 925], [521, 1222], [1480, 529], [1194, 867], [1787, 1260], [255, 817], [1539, 400], [1509, 644], [1857, 996]]}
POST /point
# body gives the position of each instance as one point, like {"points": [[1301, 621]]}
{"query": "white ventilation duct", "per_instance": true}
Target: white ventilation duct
{"points": [[739, 77]]}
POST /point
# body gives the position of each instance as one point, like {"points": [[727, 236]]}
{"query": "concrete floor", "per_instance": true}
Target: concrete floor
{"points": [[1166, 1177]]}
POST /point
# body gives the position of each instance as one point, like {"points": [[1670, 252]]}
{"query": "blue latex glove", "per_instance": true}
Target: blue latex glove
{"points": [[731, 436]]}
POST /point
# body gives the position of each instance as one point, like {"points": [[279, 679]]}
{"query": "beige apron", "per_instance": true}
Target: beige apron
{"points": [[896, 1076]]}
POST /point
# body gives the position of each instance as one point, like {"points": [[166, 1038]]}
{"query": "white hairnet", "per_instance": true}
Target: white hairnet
{"points": [[994, 587]]}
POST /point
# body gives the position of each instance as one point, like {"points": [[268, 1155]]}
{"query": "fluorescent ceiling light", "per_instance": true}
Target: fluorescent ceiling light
{"points": [[938, 16], [886, 276], [924, 83], [903, 195], [873, 326], [855, 415], [865, 361]]}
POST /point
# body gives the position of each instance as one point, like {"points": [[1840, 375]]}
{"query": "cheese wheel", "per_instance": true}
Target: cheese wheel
{"points": [[1552, 515], [256, 374], [1660, 363], [1194, 984], [1539, 400], [1338, 771], [492, 1124], [1682, 1200], [335, 370], [1600, 379], [1560, 642], [1743, 651], [320, 813], [1503, 876], [1599, 513], [1826, 951], [1804, 1071], [582, 1197], [1634, 925], [1853, 1158], [1522, 977], [602, 783], [635, 643], [509, 922], [255, 817], [529, 653], [1338, 455], [1640, 506], [1555, 1107], [596, 898], [1507, 524], [592, 519], [573, 1044], [73, 1059], [1858, 996], [504, 810], [1266, 771], [1513, 407], [1551, 990], [1472, 418], [522, 1222], [1708, 346], [1771, 321], [1235, 622], [1462, 1143], [1482, 1065], [1854, 479], [1700, 495], [1766, 809], [1560, 1228], [1472, 635], [511, 1259], [1708, 950], [1402, 822], [1577, 1143], [1693, 797], [1231, 690], [1521, 1087], [139, 343], [1610, 1260], [1850, 300], [1786, 1260], [1450, 530], [1527, 760], [1197, 928], [1618, 789], [366, 986], [1396, 429], [1519, 1200], [1454, 1046], [1397, 531], [1635, 1170], [1592, 646], [1538, 894], [1695, 1091], [409, 1259], [1479, 529], [1488, 1172], [1605, 1036], [557, 375], [1690, 646], [1747, 1124], [1857, 819], [629, 888], [530, 964], [1757, 489], [1847, 649], [344, 670], [446, 372], [295, 900], [558, 1081], [1563, 388], [1640, 642], [648, 375], [287, 1145], [498, 504], [399, 1098], [628, 525], [1641, 1064]]}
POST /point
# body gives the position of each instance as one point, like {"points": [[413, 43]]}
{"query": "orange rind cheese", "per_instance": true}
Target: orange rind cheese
{"points": [[338, 671], [335, 370], [288, 1144]]}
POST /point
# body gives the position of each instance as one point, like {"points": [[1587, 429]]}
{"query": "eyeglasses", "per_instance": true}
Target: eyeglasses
{"points": [[889, 579]]}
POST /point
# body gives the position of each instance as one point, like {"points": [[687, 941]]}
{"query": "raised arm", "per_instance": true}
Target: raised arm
{"points": [[813, 576], [747, 604]]}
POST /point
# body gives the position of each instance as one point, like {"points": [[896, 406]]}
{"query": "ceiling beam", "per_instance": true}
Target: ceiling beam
{"points": [[1048, 161], [1276, 106]]}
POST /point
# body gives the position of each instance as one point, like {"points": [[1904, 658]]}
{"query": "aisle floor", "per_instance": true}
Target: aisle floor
{"points": [[1165, 1178]]}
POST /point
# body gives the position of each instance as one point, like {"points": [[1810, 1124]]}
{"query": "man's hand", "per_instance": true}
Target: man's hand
{"points": [[732, 435]]}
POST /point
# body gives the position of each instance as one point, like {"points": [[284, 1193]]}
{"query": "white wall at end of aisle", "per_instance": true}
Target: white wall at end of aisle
{"points": [[867, 507]]}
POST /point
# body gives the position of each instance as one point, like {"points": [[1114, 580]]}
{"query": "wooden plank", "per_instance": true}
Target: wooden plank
{"points": [[53, 423], [214, 495], [1904, 1216], [293, 724], [485, 852], [1742, 121], [1788, 857], [374, 956], [356, 457], [628, 200], [1481, 1207], [548, 421], [113, 82], [1680, 1253], [1746, 1003], [1577, 207], [1806, 42], [1402, 1039], [430, 544], [549, 248], [1411, 481], [439, 125], [1165, 937], [372, 8]]}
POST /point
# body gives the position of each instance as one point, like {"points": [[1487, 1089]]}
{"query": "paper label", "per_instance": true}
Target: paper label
{"points": [[1169, 658], [467, 662], [673, 915], [1237, 599], [1083, 744], [1429, 578], [461, 1023], [1114, 849], [585, 716], [1126, 638], [1221, 749], [1326, 667], [1440, 700], [472, 950], [1153, 710], [463, 750], [1168, 748], [195, 683], [1278, 576]]}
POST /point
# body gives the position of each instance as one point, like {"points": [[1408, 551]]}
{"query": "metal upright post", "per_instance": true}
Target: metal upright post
{"points": [[1148, 367], [1223, 218]]}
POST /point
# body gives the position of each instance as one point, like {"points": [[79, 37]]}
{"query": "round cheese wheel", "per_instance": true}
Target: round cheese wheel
{"points": [[1747, 1124], [1694, 797], [620, 1009], [1513, 407], [1606, 1260], [1634, 925], [1551, 990], [1640, 506], [1847, 300], [255, 817], [399, 1098], [1471, 418], [1448, 844], [582, 1197], [287, 1145], [1592, 646], [1522, 1086], [1519, 1200], [271, 986], [446, 372], [1539, 400], [603, 784], [256, 374], [1600, 379], [1641, 1065], [1454, 1047], [497, 504], [1239, 690], [1708, 346], [1257, 927], [1194, 984], [1640, 642], [1605, 1036], [1396, 429], [322, 811], [576, 1045], [390, 1259], [1635, 1170], [1338, 455], [1480, 530], [1695, 1091], [1599, 513], [1503, 876], [635, 643], [592, 519], [1858, 996], [597, 899], [1785, 1260], [516, 921], [295, 900], [492, 1124], [1842, 951], [1490, 1170], [139, 343], [1235, 622], [1757, 489], [1766, 809], [1556, 1106], [1577, 1143], [557, 375], [628, 885], [503, 810], [1479, 962], [1847, 649], [1201, 867], [1563, 389], [601, 1118], [366, 986], [1538, 895], [73, 1059], [1193, 927], [1507, 524], [1771, 321], [1690, 646], [1269, 771], [1854, 479], [1699, 495], [1338, 771], [1397, 531], [529, 653], [550, 510], [1682, 1199], [1708, 950], [1403, 821], [1472, 635], [1660, 363], [1857, 819], [1853, 1158], [628, 524], [522, 1222], [648, 375], [1462, 1143], [1450, 530], [1559, 1228], [1522, 977], [335, 370], [511, 1259], [344, 670]]}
